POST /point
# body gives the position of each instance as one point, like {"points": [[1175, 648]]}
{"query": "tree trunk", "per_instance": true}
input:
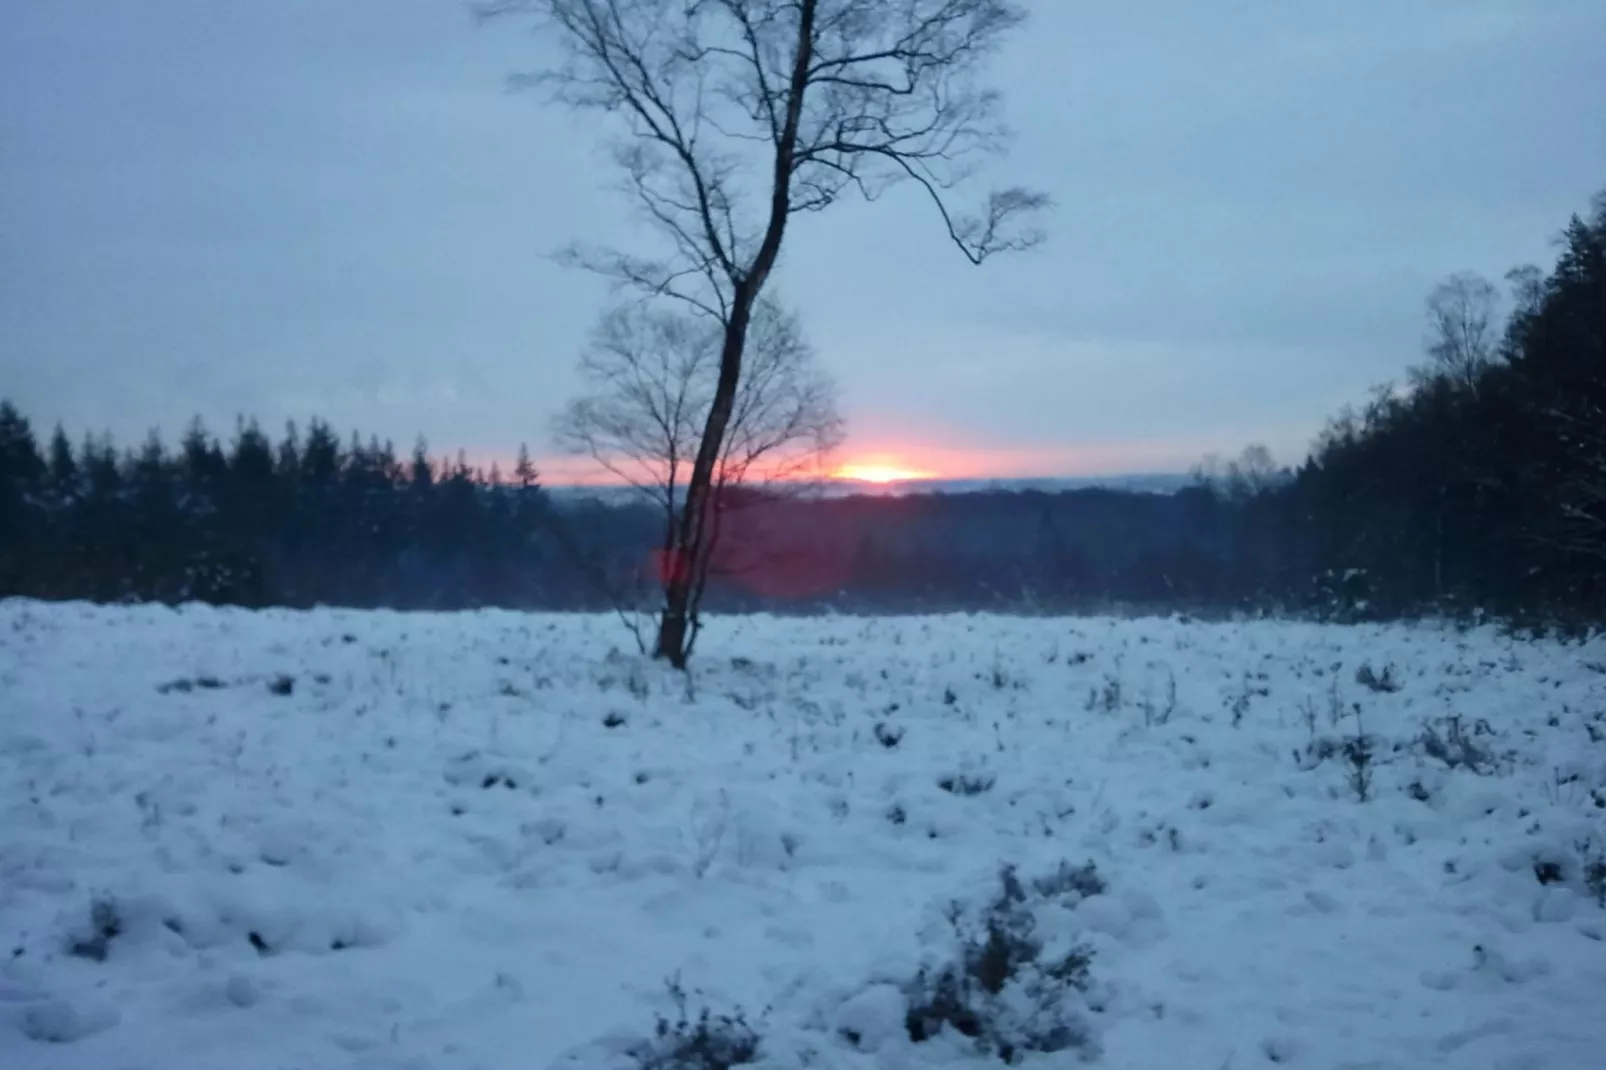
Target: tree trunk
{"points": [[683, 591], [688, 564], [674, 626]]}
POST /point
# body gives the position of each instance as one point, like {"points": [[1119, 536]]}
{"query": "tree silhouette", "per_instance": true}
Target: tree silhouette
{"points": [[736, 115]]}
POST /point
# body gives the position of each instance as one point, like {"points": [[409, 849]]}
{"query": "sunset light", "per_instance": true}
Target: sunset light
{"points": [[878, 473]]}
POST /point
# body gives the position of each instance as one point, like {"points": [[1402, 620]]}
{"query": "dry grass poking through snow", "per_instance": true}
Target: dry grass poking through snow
{"points": [[321, 840]]}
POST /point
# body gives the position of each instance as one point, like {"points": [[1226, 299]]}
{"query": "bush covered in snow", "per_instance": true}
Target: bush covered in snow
{"points": [[1016, 981], [700, 1041]]}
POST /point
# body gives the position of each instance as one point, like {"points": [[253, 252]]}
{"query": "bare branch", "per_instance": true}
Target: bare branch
{"points": [[649, 378], [726, 108]]}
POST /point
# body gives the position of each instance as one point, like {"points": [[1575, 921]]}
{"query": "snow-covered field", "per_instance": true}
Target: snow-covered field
{"points": [[303, 841]]}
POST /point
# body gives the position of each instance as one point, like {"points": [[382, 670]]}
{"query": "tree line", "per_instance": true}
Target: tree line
{"points": [[315, 519], [1477, 486], [301, 521]]}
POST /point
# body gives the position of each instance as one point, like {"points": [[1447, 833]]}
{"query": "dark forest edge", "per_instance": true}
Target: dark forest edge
{"points": [[1475, 490]]}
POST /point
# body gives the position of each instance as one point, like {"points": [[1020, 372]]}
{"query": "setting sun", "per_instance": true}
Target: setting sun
{"points": [[878, 473]]}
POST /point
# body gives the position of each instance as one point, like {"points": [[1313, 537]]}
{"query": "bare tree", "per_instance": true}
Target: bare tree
{"points": [[650, 378], [1252, 473], [733, 116], [1463, 336], [1527, 285]]}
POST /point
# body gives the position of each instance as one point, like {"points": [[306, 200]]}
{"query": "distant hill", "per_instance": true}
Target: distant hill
{"points": [[1150, 483], [1140, 483]]}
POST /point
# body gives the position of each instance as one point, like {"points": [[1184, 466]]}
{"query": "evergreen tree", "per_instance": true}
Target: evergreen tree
{"points": [[63, 467], [21, 467], [21, 475], [524, 471], [421, 472]]}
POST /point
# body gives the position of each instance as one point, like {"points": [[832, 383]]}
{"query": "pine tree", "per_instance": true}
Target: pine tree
{"points": [[21, 467], [21, 474], [63, 467], [288, 461], [321, 459], [421, 473], [204, 470], [524, 472]]}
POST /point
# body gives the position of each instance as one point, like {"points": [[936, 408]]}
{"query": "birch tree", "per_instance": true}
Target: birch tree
{"points": [[728, 118]]}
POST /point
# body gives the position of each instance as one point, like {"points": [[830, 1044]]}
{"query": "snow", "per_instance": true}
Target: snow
{"points": [[376, 840]]}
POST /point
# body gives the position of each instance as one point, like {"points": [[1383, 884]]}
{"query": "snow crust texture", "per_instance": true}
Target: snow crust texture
{"points": [[298, 841]]}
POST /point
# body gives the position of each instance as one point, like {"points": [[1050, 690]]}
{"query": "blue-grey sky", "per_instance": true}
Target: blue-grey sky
{"points": [[334, 207]]}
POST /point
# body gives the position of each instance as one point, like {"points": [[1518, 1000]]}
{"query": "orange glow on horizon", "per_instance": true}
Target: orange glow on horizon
{"points": [[914, 457], [879, 473]]}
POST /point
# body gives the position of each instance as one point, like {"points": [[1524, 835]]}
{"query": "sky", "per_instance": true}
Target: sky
{"points": [[305, 207]]}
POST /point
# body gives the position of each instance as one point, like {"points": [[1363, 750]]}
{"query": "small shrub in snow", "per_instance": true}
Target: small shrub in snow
{"points": [[1240, 702], [1447, 740], [1307, 713], [1163, 831], [1320, 749], [1154, 714], [1083, 881], [185, 686], [1382, 683], [1359, 754], [105, 925], [966, 784], [1107, 698], [282, 685], [1004, 989], [704, 1041]]}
